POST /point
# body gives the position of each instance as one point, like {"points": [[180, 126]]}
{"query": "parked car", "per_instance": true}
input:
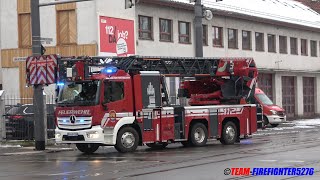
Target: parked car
{"points": [[20, 122], [272, 114]]}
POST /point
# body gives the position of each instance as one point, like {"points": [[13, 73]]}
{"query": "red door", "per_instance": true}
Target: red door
{"points": [[288, 95], [265, 84], [308, 96]]}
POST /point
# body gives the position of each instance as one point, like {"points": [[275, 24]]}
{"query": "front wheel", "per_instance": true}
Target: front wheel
{"points": [[127, 140], [274, 125], [88, 148], [229, 133], [199, 135]]}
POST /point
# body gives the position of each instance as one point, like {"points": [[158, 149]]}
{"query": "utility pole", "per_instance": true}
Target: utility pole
{"points": [[198, 12], [39, 114], [38, 100]]}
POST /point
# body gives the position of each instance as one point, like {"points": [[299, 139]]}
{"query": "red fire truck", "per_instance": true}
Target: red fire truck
{"points": [[123, 101]]}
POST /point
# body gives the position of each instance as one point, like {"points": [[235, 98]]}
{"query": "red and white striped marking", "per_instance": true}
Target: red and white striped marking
{"points": [[41, 69]]}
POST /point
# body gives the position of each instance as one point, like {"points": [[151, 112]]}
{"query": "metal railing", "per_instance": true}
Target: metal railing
{"points": [[17, 117]]}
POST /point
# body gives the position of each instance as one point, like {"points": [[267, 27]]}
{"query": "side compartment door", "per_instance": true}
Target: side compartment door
{"points": [[151, 125]]}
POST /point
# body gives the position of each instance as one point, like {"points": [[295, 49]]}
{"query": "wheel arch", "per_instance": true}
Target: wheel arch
{"points": [[126, 122]]}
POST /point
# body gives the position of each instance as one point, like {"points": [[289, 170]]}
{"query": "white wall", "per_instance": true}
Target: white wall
{"points": [[11, 81], [87, 23], [155, 47], [48, 23], [9, 24]]}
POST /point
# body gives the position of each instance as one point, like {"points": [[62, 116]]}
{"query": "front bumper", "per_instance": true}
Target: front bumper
{"points": [[276, 119], [95, 135]]}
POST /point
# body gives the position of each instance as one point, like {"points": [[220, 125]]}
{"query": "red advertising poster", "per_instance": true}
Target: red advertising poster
{"points": [[116, 36]]}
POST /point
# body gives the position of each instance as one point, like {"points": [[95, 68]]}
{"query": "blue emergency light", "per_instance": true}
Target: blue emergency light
{"points": [[109, 70], [60, 83]]}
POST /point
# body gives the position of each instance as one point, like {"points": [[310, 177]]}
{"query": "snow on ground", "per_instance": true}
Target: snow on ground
{"points": [[9, 146], [291, 127], [307, 122]]}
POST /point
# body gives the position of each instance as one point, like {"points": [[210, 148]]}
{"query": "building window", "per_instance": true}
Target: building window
{"points": [[217, 36], [304, 47], [246, 40], [259, 41], [145, 27], [283, 44], [165, 30], [313, 46], [66, 27], [184, 32], [232, 38], [271, 43], [205, 35], [294, 46]]}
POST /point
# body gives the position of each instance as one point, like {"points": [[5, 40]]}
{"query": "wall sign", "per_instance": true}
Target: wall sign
{"points": [[116, 36]]}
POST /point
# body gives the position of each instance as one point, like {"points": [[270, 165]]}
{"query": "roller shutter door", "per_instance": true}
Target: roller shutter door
{"points": [[288, 95]]}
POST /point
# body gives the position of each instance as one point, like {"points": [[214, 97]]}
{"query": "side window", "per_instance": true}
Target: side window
{"points": [[113, 91]]}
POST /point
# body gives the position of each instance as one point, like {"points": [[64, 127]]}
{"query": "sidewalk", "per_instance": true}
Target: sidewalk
{"points": [[10, 148]]}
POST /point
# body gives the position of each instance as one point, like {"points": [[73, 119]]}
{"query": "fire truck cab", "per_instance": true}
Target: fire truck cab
{"points": [[125, 103]]}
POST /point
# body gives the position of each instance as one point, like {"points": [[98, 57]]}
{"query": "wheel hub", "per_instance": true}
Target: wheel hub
{"points": [[230, 132], [199, 135], [127, 139]]}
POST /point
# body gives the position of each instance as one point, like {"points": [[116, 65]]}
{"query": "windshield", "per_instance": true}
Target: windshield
{"points": [[264, 99], [79, 93]]}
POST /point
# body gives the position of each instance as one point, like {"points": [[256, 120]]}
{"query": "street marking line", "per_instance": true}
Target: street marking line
{"points": [[294, 161], [22, 153], [268, 160]]}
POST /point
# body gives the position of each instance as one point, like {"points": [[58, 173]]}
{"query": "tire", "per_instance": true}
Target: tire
{"points": [[274, 125], [88, 148], [229, 133], [265, 121], [198, 135], [127, 140], [157, 146]]}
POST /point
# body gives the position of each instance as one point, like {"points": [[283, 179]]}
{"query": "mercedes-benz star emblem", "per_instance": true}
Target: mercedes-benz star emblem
{"points": [[73, 119]]}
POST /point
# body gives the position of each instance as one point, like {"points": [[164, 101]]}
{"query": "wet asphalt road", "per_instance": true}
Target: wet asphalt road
{"points": [[286, 146]]}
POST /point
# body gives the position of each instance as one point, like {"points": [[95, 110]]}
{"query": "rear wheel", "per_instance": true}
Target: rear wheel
{"points": [[88, 148], [127, 140], [274, 125], [229, 133], [198, 135]]}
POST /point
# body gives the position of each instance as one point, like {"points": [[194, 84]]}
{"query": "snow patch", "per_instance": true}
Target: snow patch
{"points": [[307, 122], [9, 146]]}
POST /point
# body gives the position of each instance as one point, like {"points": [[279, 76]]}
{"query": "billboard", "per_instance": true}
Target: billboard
{"points": [[116, 36]]}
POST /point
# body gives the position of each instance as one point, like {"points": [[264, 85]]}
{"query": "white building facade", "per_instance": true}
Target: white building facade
{"points": [[284, 40]]}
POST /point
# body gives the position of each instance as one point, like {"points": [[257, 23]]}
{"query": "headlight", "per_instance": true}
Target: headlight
{"points": [[273, 112], [93, 135], [57, 135]]}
